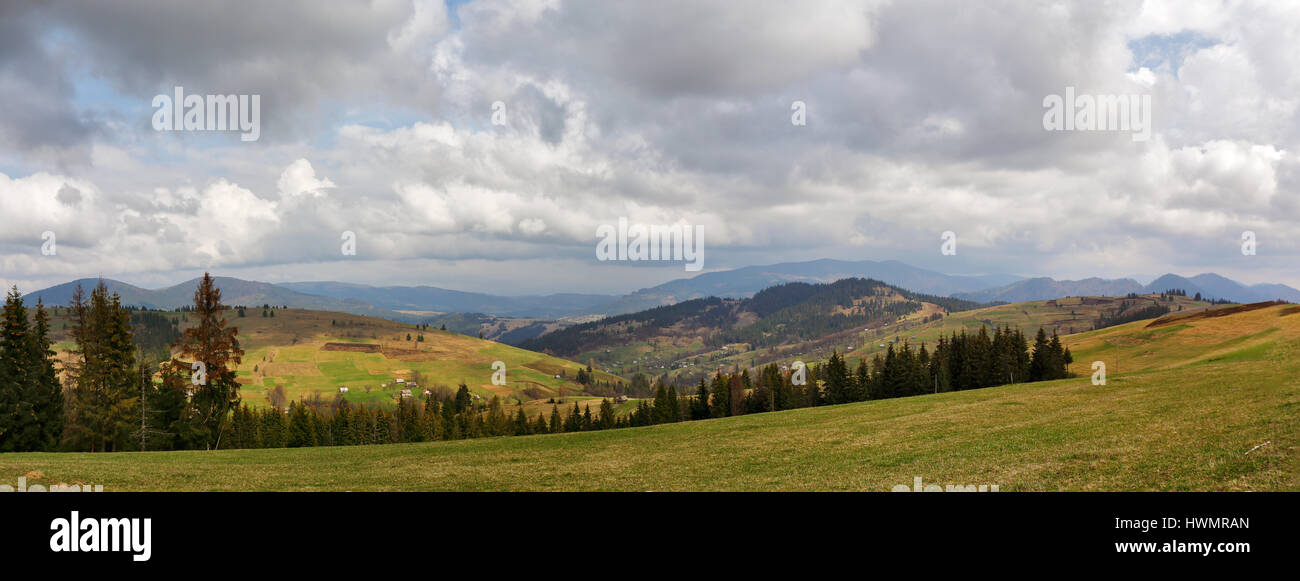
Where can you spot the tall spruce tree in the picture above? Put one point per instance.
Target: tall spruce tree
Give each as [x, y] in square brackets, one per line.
[103, 378]
[47, 398]
[838, 383]
[19, 429]
[1040, 362]
[211, 343]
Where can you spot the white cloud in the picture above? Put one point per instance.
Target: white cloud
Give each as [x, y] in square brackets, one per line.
[299, 179]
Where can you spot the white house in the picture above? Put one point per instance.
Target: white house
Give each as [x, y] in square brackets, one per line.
[343, 389]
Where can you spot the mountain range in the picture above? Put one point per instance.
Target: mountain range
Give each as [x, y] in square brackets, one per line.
[1210, 286]
[744, 282]
[419, 303]
[234, 291]
[441, 300]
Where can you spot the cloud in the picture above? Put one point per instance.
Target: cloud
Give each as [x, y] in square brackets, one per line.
[299, 179]
[922, 117]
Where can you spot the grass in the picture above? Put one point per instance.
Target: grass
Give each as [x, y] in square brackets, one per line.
[1177, 419]
[293, 341]
[287, 350]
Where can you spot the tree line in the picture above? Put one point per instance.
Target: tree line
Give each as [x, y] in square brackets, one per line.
[112, 396]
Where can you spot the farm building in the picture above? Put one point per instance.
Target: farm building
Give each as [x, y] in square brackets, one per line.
[343, 389]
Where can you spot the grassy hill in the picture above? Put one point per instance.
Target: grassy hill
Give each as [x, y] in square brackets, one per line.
[1200, 403]
[1066, 316]
[700, 336]
[307, 352]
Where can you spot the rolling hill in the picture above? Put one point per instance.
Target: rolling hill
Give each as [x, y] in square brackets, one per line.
[745, 282]
[689, 338]
[1205, 404]
[1065, 316]
[306, 353]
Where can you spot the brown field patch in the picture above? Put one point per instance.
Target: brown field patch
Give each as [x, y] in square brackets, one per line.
[351, 347]
[1209, 314]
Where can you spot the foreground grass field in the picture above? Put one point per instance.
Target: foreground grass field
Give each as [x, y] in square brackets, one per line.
[1221, 416]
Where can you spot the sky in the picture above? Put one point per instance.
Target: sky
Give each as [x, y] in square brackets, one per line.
[377, 119]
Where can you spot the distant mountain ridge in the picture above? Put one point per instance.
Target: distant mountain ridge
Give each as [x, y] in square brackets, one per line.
[745, 282]
[417, 304]
[234, 291]
[1209, 285]
[432, 298]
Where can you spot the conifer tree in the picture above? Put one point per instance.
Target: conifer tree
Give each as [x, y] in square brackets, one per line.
[104, 389]
[699, 406]
[720, 406]
[215, 346]
[1040, 361]
[556, 427]
[838, 389]
[46, 395]
[522, 427]
[607, 419]
[19, 430]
